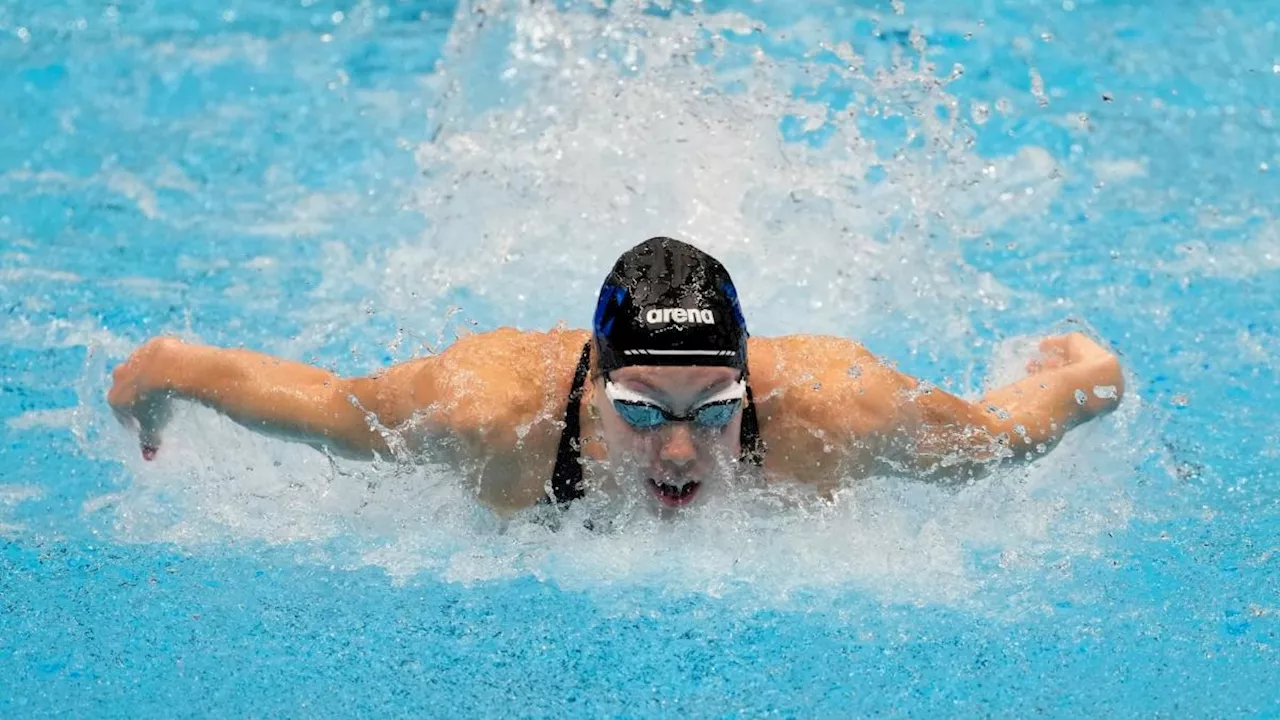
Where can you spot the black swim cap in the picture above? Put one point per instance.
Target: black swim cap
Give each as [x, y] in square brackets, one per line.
[668, 303]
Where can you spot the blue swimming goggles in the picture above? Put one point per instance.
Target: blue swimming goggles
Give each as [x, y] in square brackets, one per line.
[642, 413]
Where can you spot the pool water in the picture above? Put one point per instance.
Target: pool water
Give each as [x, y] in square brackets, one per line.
[355, 184]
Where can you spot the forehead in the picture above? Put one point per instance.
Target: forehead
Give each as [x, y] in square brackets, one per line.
[675, 378]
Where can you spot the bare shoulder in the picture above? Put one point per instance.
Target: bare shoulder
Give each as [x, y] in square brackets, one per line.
[824, 402]
[498, 378]
[816, 371]
[498, 399]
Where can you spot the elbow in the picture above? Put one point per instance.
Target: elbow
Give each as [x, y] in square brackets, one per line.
[965, 446]
[352, 425]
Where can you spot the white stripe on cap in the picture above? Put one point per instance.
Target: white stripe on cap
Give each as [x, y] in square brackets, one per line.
[714, 353]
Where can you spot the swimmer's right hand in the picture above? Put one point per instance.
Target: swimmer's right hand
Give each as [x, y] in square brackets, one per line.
[141, 391]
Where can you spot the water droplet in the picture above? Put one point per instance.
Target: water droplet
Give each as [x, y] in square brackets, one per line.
[1081, 397]
[1037, 88]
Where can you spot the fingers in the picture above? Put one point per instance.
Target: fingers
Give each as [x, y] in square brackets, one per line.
[1055, 345]
[149, 438]
[1053, 354]
[148, 434]
[144, 416]
[125, 419]
[1071, 349]
[136, 406]
[150, 424]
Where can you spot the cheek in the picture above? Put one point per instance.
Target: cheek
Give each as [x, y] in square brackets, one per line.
[726, 442]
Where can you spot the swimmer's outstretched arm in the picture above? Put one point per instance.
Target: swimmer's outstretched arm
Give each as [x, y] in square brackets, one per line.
[351, 417]
[826, 400]
[1075, 381]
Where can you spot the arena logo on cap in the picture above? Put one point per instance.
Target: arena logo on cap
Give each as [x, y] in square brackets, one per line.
[656, 316]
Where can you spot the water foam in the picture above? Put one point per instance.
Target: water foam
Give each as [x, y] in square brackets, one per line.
[676, 131]
[10, 497]
[609, 126]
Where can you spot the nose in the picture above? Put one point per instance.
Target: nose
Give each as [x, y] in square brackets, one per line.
[677, 445]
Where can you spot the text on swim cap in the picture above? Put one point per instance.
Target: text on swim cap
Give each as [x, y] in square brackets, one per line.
[657, 316]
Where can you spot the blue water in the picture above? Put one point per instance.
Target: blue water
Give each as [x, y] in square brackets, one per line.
[318, 179]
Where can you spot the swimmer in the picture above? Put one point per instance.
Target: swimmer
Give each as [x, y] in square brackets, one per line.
[664, 397]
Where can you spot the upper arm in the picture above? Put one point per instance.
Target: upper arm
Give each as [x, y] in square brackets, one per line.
[479, 390]
[835, 397]
[936, 435]
[825, 405]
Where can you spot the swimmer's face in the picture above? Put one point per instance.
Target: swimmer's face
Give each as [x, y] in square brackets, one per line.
[671, 460]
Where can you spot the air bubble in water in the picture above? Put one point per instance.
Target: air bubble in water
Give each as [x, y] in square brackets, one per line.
[1037, 88]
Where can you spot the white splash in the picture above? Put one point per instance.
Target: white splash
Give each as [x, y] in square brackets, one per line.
[1257, 255]
[11, 495]
[33, 419]
[83, 332]
[568, 159]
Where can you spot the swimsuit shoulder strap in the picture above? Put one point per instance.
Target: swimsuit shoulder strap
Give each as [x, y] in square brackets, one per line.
[752, 444]
[566, 479]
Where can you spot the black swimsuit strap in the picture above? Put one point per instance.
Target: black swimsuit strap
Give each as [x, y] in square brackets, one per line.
[566, 479]
[752, 444]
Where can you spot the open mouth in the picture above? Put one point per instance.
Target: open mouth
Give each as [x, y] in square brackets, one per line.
[673, 496]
